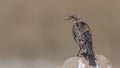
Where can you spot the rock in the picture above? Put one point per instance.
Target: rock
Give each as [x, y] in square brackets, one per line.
[79, 62]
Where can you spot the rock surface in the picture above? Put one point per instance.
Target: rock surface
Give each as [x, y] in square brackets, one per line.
[79, 62]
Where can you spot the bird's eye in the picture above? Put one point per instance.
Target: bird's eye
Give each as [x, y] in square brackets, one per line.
[72, 17]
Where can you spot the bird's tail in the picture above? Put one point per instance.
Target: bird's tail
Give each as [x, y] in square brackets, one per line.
[91, 59]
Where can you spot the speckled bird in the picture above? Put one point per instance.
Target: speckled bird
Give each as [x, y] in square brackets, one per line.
[83, 37]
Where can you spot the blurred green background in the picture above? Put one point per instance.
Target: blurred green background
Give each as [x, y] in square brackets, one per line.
[34, 34]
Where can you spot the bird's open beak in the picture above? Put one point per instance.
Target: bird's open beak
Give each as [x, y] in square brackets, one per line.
[67, 18]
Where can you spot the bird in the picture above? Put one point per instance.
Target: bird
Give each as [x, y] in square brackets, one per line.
[83, 37]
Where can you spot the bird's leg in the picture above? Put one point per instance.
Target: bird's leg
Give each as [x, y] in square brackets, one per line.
[84, 55]
[78, 52]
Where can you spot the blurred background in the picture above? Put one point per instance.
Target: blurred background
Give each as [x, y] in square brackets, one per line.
[34, 34]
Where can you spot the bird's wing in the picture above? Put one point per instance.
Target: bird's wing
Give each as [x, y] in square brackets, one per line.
[88, 35]
[88, 38]
[87, 42]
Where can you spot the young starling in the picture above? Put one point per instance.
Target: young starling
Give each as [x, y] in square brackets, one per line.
[83, 37]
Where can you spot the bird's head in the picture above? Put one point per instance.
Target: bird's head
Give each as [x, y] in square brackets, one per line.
[73, 17]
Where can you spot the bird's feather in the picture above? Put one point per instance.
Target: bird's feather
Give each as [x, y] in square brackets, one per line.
[83, 37]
